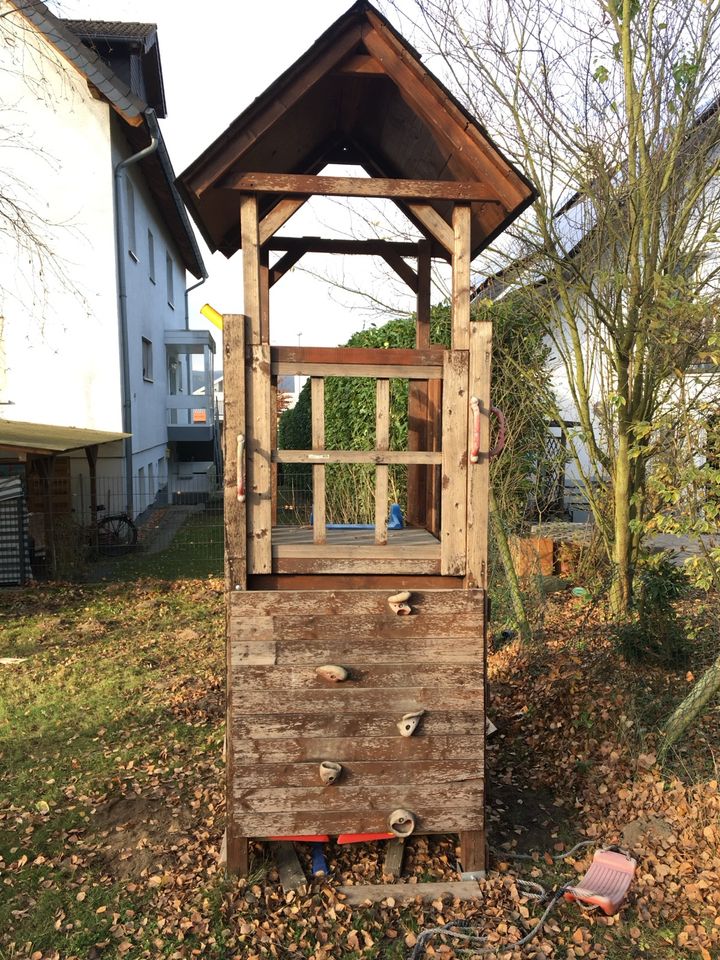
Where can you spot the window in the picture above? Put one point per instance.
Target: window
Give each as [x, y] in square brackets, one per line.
[130, 201]
[147, 360]
[170, 280]
[151, 256]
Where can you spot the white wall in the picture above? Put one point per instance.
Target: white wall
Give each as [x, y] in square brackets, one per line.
[59, 360]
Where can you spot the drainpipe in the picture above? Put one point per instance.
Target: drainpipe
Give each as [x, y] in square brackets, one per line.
[188, 290]
[120, 168]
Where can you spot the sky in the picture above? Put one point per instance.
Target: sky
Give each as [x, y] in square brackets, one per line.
[217, 56]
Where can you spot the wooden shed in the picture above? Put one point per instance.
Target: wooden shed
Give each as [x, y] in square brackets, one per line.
[300, 598]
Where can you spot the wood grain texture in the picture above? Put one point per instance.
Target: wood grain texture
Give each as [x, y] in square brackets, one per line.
[291, 873]
[339, 798]
[317, 400]
[259, 446]
[354, 699]
[400, 372]
[361, 893]
[259, 603]
[434, 819]
[376, 581]
[251, 267]
[391, 188]
[479, 473]
[363, 356]
[433, 223]
[453, 531]
[354, 652]
[277, 216]
[354, 567]
[356, 456]
[368, 248]
[460, 301]
[382, 443]
[358, 551]
[360, 628]
[301, 678]
[360, 774]
[344, 730]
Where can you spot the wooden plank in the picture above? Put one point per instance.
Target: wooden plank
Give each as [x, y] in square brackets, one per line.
[251, 267]
[258, 603]
[360, 774]
[363, 699]
[453, 532]
[479, 473]
[349, 535]
[460, 303]
[317, 399]
[278, 216]
[356, 456]
[418, 412]
[362, 893]
[300, 566]
[394, 856]
[236, 845]
[402, 269]
[391, 188]
[386, 676]
[368, 248]
[350, 653]
[288, 627]
[433, 223]
[473, 855]
[434, 442]
[382, 443]
[338, 797]
[291, 873]
[361, 63]
[355, 370]
[352, 733]
[332, 551]
[395, 581]
[372, 356]
[279, 269]
[434, 819]
[259, 446]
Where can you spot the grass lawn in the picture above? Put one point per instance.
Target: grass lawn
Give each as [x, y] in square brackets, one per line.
[112, 808]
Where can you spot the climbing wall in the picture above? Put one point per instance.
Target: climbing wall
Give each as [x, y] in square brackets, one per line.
[286, 719]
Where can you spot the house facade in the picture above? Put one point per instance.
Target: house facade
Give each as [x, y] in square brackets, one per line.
[96, 357]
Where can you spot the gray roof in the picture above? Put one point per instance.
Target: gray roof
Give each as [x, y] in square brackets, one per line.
[111, 30]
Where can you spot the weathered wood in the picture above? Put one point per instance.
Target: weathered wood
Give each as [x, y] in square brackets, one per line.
[434, 442]
[279, 269]
[382, 443]
[299, 677]
[291, 627]
[350, 536]
[332, 551]
[337, 798]
[251, 267]
[394, 856]
[361, 63]
[278, 216]
[350, 652]
[361, 774]
[292, 876]
[460, 304]
[373, 371]
[317, 400]
[236, 846]
[479, 473]
[395, 581]
[434, 819]
[356, 456]
[402, 269]
[473, 856]
[433, 224]
[417, 476]
[352, 733]
[368, 248]
[299, 566]
[366, 356]
[259, 447]
[352, 699]
[361, 893]
[454, 463]
[353, 601]
[389, 188]
[264, 280]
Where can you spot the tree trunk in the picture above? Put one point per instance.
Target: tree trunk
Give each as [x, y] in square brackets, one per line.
[692, 706]
[621, 591]
[521, 619]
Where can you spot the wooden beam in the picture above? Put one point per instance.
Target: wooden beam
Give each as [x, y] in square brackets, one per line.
[399, 372]
[382, 443]
[418, 476]
[361, 63]
[378, 457]
[402, 269]
[259, 451]
[278, 271]
[433, 223]
[460, 310]
[454, 462]
[358, 894]
[394, 856]
[369, 248]
[317, 398]
[368, 356]
[291, 873]
[358, 551]
[479, 473]
[251, 266]
[278, 216]
[236, 846]
[379, 187]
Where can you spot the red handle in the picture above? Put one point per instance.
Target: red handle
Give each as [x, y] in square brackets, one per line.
[500, 443]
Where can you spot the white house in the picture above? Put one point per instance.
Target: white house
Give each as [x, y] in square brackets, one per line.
[95, 245]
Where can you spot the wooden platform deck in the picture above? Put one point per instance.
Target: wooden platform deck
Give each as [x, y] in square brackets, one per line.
[409, 551]
[409, 537]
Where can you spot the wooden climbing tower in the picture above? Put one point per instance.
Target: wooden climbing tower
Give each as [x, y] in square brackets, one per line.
[301, 598]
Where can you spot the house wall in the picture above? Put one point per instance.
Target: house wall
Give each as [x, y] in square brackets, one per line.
[59, 353]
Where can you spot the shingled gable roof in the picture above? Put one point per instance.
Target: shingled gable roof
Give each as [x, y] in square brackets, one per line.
[385, 112]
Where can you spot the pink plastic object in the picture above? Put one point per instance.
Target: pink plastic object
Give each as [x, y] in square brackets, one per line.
[364, 837]
[606, 883]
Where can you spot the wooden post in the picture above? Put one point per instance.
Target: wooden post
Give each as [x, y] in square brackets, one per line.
[235, 565]
[317, 398]
[454, 463]
[382, 442]
[479, 473]
[418, 476]
[461, 276]
[252, 291]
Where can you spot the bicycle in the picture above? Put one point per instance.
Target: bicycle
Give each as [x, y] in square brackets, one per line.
[113, 534]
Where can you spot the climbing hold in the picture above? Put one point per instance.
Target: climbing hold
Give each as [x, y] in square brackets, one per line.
[409, 723]
[398, 603]
[330, 771]
[330, 671]
[401, 822]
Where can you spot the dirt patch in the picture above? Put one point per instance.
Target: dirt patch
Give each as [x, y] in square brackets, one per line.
[137, 835]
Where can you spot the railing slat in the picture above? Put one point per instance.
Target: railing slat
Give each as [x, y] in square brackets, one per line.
[317, 396]
[382, 442]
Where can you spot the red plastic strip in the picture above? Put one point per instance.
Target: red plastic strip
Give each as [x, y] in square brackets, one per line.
[362, 837]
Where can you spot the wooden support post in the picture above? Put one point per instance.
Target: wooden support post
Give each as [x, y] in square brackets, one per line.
[394, 856]
[317, 397]
[278, 216]
[251, 267]
[382, 442]
[259, 460]
[435, 388]
[418, 434]
[479, 473]
[236, 845]
[291, 873]
[461, 276]
[454, 463]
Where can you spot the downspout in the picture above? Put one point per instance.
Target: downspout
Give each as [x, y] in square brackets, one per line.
[189, 290]
[120, 168]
